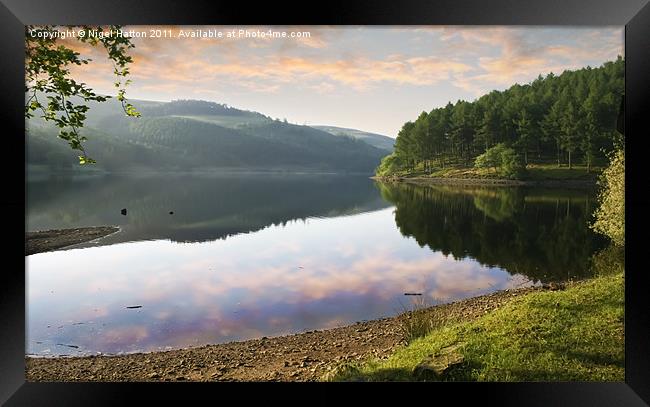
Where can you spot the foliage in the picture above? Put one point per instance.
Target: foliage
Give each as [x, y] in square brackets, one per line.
[610, 215]
[511, 165]
[182, 107]
[551, 119]
[376, 140]
[574, 334]
[501, 158]
[390, 164]
[47, 74]
[609, 260]
[491, 158]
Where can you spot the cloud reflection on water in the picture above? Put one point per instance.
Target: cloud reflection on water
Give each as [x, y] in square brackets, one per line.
[282, 279]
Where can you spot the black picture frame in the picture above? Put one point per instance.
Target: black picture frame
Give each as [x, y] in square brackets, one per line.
[634, 14]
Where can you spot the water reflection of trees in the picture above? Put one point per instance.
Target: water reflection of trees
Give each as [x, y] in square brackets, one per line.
[539, 233]
[205, 207]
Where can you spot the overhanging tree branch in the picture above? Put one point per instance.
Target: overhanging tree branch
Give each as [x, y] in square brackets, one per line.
[47, 71]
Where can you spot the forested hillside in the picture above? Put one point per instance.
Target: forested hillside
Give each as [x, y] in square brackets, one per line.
[377, 140]
[564, 120]
[189, 134]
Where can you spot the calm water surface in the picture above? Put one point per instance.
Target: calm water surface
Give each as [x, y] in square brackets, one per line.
[248, 256]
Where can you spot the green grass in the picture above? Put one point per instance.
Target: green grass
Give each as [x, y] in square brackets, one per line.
[569, 335]
[553, 172]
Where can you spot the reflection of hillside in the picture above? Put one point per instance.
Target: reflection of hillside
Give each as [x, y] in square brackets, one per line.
[205, 208]
[542, 234]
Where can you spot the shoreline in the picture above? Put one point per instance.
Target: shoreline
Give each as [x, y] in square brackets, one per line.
[489, 181]
[307, 356]
[56, 239]
[298, 357]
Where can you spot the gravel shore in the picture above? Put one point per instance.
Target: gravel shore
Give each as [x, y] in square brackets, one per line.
[302, 357]
[49, 240]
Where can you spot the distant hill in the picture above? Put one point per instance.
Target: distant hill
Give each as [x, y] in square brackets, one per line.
[191, 134]
[376, 140]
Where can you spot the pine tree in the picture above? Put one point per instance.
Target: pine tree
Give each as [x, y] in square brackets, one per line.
[524, 133]
[551, 128]
[570, 126]
[573, 114]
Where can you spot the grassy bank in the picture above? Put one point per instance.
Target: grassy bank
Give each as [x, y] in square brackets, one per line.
[534, 172]
[575, 334]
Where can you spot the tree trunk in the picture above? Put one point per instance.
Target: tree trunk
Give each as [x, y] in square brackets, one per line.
[526, 156]
[569, 159]
[558, 154]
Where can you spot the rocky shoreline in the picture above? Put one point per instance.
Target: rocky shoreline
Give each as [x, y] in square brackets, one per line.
[308, 356]
[49, 240]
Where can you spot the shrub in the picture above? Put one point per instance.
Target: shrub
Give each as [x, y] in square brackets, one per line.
[490, 159]
[504, 160]
[610, 215]
[608, 261]
[511, 165]
[390, 164]
[420, 320]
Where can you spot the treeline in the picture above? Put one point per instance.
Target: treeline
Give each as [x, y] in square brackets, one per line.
[559, 119]
[193, 107]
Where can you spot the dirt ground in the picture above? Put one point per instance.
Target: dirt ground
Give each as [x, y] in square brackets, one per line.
[49, 240]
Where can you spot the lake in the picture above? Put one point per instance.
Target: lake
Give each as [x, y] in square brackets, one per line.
[246, 256]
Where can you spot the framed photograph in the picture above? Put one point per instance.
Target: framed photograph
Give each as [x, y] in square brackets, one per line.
[431, 193]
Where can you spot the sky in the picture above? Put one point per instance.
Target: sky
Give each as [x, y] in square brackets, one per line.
[368, 78]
